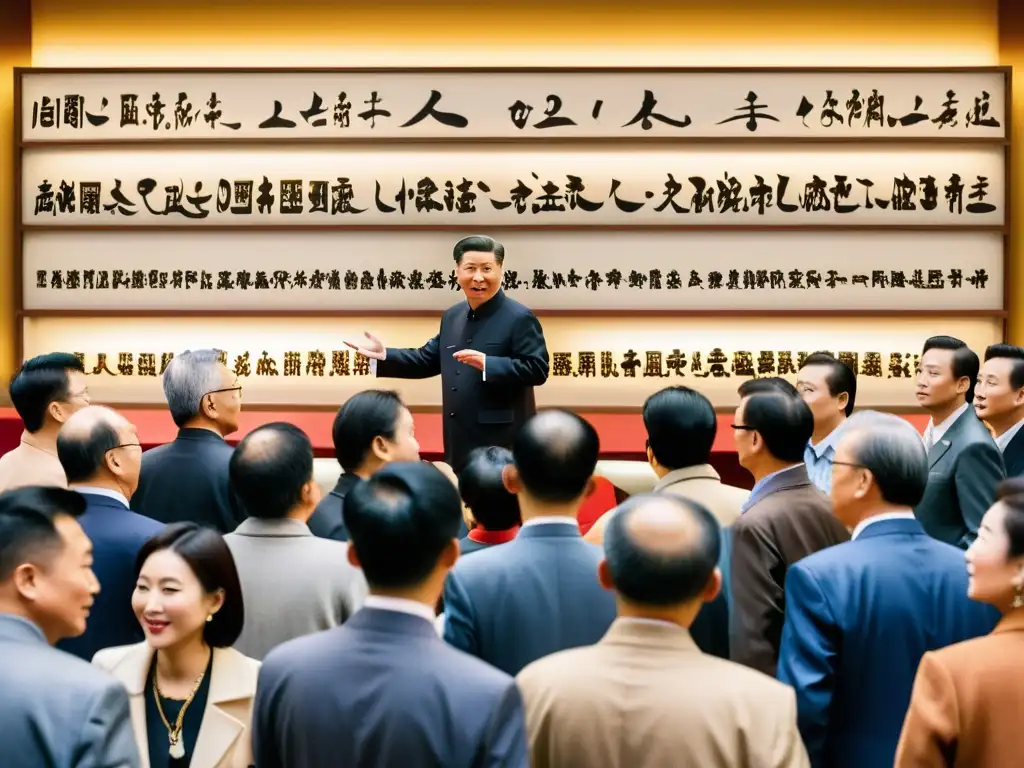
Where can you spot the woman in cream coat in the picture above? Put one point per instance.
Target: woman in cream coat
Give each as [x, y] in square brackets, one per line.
[191, 694]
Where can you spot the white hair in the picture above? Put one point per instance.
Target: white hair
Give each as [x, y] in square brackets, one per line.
[187, 378]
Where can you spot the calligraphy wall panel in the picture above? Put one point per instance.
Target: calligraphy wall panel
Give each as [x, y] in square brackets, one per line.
[531, 105]
[785, 186]
[604, 362]
[557, 270]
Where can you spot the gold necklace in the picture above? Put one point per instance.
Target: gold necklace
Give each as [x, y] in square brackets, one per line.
[177, 748]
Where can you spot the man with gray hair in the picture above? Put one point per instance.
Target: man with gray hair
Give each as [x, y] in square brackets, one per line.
[187, 479]
[860, 615]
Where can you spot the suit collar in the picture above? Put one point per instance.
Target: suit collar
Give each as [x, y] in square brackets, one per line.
[390, 622]
[889, 527]
[488, 308]
[1011, 622]
[698, 472]
[557, 530]
[20, 630]
[284, 528]
[784, 479]
[198, 433]
[1010, 437]
[649, 634]
[345, 484]
[945, 441]
[102, 497]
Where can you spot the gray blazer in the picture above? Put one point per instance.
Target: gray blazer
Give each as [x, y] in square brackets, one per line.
[964, 468]
[57, 710]
[293, 583]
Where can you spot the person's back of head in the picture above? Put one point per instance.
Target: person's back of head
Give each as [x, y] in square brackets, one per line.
[201, 391]
[783, 423]
[373, 428]
[47, 389]
[483, 491]
[661, 557]
[681, 427]
[45, 560]
[403, 524]
[98, 446]
[271, 473]
[554, 455]
[768, 384]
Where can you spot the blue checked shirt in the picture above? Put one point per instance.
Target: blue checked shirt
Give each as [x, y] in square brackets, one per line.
[818, 460]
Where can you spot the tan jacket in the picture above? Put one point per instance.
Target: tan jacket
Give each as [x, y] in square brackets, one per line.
[646, 697]
[701, 484]
[31, 463]
[225, 737]
[967, 707]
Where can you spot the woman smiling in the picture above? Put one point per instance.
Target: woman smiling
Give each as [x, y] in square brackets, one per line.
[191, 694]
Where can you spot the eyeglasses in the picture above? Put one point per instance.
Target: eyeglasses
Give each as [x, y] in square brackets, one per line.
[123, 445]
[237, 389]
[744, 427]
[848, 464]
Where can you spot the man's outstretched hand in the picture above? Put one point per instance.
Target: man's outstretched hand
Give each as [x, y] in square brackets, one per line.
[372, 348]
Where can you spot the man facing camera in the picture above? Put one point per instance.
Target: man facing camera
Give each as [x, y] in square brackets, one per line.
[490, 354]
[964, 464]
[999, 401]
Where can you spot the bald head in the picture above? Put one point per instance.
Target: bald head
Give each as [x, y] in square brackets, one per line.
[661, 550]
[87, 438]
[271, 471]
[555, 454]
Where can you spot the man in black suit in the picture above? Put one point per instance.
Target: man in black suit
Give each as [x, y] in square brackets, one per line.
[187, 479]
[383, 689]
[999, 401]
[372, 429]
[490, 353]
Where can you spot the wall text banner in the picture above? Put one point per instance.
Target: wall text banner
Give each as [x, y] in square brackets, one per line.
[888, 186]
[734, 104]
[556, 270]
[604, 363]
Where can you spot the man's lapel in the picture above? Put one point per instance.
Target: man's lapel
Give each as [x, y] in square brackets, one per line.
[942, 446]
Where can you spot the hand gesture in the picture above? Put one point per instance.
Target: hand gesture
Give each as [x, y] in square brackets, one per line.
[372, 348]
[471, 358]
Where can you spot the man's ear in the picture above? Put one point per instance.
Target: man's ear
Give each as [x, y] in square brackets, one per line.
[510, 478]
[714, 586]
[26, 580]
[590, 488]
[450, 554]
[604, 576]
[353, 558]
[843, 400]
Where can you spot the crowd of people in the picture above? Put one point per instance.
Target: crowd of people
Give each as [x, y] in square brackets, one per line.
[205, 605]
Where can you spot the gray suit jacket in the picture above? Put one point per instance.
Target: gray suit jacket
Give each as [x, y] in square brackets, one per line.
[964, 468]
[293, 583]
[57, 710]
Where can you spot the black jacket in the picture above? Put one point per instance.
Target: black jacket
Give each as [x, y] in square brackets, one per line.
[187, 480]
[1013, 456]
[327, 520]
[478, 412]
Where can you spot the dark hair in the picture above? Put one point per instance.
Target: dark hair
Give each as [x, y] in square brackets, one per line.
[785, 423]
[208, 555]
[27, 527]
[681, 427]
[1015, 355]
[483, 489]
[841, 378]
[479, 244]
[364, 416]
[965, 361]
[1011, 493]
[39, 382]
[83, 454]
[661, 578]
[400, 520]
[767, 384]
[268, 477]
[555, 453]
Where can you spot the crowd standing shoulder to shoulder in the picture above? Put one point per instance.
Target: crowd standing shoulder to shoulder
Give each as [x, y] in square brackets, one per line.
[494, 509]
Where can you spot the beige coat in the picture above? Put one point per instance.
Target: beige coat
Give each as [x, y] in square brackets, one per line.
[225, 737]
[646, 697]
[31, 463]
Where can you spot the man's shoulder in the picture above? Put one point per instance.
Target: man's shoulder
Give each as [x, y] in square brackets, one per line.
[76, 676]
[973, 432]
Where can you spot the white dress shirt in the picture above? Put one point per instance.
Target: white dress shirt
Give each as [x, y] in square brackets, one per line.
[400, 605]
[1004, 439]
[115, 495]
[934, 432]
[879, 518]
[560, 519]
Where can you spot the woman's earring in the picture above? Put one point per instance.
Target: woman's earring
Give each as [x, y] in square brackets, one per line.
[210, 617]
[1018, 592]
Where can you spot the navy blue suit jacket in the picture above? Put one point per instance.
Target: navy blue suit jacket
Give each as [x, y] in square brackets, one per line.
[476, 412]
[117, 535]
[383, 690]
[535, 595]
[1013, 456]
[859, 617]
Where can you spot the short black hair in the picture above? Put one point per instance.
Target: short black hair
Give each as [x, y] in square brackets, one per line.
[400, 520]
[363, 417]
[841, 378]
[1013, 353]
[965, 361]
[208, 555]
[555, 453]
[785, 423]
[1011, 493]
[767, 384]
[483, 489]
[479, 244]
[659, 578]
[27, 529]
[82, 455]
[268, 477]
[681, 427]
[39, 382]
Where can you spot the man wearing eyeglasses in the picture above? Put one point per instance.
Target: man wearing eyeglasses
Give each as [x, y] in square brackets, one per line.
[187, 480]
[100, 452]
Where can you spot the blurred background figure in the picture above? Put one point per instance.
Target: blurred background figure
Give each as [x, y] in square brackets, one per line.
[494, 510]
[999, 402]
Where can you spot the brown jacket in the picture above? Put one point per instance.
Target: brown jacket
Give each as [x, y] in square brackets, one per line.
[967, 707]
[786, 519]
[645, 696]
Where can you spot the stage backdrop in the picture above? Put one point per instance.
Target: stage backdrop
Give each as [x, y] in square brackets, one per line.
[683, 226]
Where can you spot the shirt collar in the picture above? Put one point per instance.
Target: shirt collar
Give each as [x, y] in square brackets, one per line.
[110, 494]
[552, 520]
[400, 605]
[1004, 439]
[33, 441]
[283, 527]
[879, 518]
[829, 442]
[938, 430]
[701, 471]
[481, 536]
[649, 622]
[488, 308]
